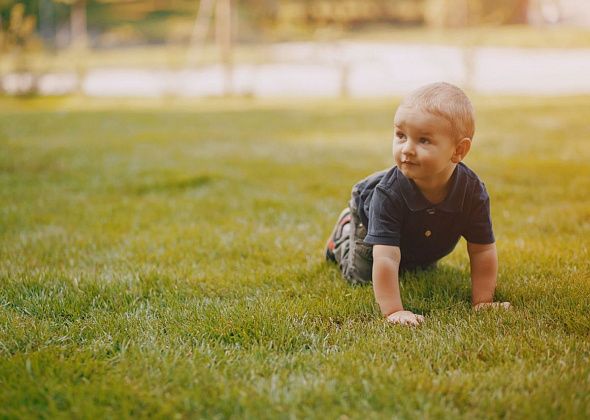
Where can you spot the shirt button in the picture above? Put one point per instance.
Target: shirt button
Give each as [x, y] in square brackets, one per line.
[427, 233]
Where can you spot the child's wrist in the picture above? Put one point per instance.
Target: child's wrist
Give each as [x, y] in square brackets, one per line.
[390, 312]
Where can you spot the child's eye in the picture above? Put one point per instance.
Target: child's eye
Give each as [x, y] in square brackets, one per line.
[424, 140]
[400, 135]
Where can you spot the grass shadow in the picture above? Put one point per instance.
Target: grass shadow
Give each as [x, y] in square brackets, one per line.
[426, 290]
[174, 186]
[440, 288]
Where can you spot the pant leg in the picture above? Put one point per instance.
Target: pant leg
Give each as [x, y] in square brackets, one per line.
[354, 257]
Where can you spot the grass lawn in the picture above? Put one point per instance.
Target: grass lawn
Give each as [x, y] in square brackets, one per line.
[165, 259]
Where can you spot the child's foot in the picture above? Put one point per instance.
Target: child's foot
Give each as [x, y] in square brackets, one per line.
[341, 228]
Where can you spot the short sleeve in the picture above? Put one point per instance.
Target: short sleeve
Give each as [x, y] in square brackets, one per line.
[478, 229]
[385, 220]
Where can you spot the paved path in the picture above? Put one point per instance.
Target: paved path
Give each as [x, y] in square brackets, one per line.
[357, 69]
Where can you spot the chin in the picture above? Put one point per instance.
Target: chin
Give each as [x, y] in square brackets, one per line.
[407, 174]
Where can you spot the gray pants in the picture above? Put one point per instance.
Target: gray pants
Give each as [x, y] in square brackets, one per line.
[353, 256]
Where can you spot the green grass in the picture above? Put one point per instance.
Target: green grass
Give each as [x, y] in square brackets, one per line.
[164, 260]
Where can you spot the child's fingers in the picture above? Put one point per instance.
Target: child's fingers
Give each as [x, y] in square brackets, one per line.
[483, 305]
[502, 305]
[412, 320]
[400, 321]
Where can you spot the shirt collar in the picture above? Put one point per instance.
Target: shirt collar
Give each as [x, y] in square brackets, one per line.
[453, 202]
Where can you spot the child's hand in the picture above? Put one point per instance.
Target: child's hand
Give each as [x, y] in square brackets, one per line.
[405, 318]
[495, 305]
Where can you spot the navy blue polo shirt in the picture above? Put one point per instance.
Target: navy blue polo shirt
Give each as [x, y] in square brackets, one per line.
[396, 213]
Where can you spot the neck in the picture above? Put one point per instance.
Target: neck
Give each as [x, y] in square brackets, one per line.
[436, 189]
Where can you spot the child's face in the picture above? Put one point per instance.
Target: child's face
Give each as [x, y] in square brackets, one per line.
[424, 147]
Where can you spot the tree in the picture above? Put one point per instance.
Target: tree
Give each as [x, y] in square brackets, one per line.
[223, 35]
[461, 13]
[79, 30]
[18, 37]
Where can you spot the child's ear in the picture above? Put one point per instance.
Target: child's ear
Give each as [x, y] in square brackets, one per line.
[461, 150]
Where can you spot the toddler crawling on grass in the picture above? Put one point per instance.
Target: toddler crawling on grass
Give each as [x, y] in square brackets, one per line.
[413, 214]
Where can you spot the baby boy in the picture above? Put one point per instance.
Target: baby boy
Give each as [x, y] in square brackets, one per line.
[412, 215]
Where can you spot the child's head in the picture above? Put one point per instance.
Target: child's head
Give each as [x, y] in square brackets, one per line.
[447, 101]
[434, 126]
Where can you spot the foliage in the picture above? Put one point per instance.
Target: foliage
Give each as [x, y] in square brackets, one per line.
[20, 31]
[165, 259]
[461, 13]
[146, 21]
[19, 39]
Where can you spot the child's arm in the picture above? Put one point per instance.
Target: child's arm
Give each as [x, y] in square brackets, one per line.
[484, 271]
[386, 260]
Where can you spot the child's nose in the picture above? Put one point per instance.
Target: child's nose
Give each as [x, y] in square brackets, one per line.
[408, 147]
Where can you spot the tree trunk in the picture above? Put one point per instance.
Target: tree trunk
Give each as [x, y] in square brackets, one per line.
[201, 26]
[78, 24]
[521, 9]
[223, 32]
[47, 22]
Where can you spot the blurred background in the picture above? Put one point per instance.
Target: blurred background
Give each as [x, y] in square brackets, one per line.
[282, 48]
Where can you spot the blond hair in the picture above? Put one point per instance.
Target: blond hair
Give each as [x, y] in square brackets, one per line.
[447, 101]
